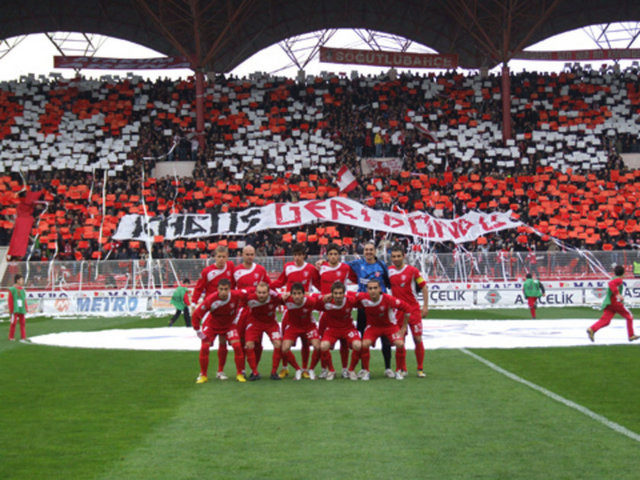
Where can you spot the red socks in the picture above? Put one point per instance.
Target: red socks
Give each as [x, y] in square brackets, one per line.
[401, 358]
[250, 354]
[326, 358]
[291, 358]
[355, 358]
[315, 357]
[238, 357]
[304, 354]
[222, 353]
[365, 356]
[204, 358]
[277, 355]
[420, 355]
[344, 353]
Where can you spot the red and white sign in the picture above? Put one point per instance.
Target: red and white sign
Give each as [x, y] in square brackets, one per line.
[104, 63]
[381, 58]
[383, 166]
[336, 210]
[576, 55]
[346, 180]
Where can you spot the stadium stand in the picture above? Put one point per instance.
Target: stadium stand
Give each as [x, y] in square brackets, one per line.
[431, 143]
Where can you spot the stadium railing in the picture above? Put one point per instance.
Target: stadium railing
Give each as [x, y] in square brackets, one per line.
[163, 273]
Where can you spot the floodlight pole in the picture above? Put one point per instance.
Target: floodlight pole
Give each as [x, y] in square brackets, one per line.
[506, 103]
[200, 107]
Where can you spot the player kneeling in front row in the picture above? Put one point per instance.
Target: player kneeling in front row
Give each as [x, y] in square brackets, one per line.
[381, 321]
[338, 307]
[218, 313]
[263, 304]
[300, 325]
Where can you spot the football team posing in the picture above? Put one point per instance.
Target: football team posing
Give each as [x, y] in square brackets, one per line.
[240, 304]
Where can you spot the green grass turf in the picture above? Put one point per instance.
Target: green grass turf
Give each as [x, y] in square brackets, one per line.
[101, 414]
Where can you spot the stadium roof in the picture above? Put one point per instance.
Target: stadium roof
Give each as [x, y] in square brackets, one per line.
[218, 35]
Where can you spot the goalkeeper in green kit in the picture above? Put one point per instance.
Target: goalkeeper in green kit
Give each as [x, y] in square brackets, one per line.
[180, 300]
[533, 290]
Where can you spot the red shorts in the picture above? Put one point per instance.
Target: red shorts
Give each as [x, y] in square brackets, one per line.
[416, 329]
[254, 331]
[532, 301]
[415, 320]
[290, 332]
[230, 333]
[373, 332]
[332, 335]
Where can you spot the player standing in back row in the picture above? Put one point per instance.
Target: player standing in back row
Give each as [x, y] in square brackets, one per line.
[405, 280]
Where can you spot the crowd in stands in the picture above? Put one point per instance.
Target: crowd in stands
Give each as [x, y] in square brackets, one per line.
[414, 142]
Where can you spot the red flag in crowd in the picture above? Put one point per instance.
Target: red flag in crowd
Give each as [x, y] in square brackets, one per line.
[346, 180]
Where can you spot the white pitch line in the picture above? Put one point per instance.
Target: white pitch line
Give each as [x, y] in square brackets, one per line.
[554, 396]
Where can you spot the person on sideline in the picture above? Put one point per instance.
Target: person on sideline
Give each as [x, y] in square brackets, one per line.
[532, 290]
[612, 304]
[17, 308]
[180, 300]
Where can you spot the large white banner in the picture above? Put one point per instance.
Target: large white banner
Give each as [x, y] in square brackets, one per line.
[287, 215]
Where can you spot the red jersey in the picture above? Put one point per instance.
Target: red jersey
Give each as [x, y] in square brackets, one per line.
[381, 313]
[300, 316]
[339, 316]
[250, 277]
[340, 273]
[223, 312]
[306, 274]
[209, 279]
[405, 282]
[264, 312]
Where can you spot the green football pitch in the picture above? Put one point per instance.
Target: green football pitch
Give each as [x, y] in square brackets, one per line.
[74, 413]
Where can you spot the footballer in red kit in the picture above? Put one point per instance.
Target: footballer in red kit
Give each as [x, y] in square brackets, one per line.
[298, 271]
[263, 304]
[381, 321]
[208, 284]
[215, 317]
[300, 325]
[337, 308]
[331, 271]
[247, 275]
[211, 275]
[405, 281]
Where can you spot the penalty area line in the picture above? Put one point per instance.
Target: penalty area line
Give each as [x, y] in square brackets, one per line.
[554, 396]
